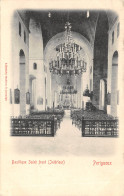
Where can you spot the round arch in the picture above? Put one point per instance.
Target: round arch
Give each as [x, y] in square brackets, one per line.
[59, 39]
[50, 52]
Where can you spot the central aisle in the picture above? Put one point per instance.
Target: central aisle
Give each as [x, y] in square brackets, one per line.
[67, 130]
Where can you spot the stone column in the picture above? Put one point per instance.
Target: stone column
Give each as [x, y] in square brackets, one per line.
[40, 87]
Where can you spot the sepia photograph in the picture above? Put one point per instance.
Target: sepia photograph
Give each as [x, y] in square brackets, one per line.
[62, 98]
[65, 73]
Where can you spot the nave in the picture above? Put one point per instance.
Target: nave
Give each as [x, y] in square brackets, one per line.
[65, 60]
[67, 142]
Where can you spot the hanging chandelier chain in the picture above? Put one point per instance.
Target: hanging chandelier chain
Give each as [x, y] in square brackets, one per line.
[68, 57]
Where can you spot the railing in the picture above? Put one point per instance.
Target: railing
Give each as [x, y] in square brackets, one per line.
[33, 127]
[100, 128]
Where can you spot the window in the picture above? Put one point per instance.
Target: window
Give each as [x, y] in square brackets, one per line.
[88, 14]
[24, 37]
[118, 29]
[112, 37]
[35, 66]
[19, 28]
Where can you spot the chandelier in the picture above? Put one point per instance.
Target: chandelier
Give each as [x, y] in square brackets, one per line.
[68, 59]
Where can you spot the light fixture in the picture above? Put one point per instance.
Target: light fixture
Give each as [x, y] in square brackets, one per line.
[68, 59]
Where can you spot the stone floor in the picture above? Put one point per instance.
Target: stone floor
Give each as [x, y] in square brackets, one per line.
[67, 142]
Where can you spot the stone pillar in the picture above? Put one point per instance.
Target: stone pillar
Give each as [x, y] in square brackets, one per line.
[114, 88]
[34, 93]
[102, 95]
[48, 90]
[36, 58]
[40, 87]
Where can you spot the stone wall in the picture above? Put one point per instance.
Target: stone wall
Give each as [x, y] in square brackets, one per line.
[19, 44]
[112, 48]
[36, 65]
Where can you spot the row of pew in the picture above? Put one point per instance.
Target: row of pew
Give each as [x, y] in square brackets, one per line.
[95, 123]
[44, 123]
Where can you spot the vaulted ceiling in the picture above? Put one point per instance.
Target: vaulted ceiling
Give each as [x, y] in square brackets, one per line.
[80, 23]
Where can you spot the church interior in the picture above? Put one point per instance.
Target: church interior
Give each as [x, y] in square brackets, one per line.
[65, 70]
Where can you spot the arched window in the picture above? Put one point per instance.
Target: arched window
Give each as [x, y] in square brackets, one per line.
[35, 66]
[112, 37]
[118, 29]
[19, 28]
[24, 37]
